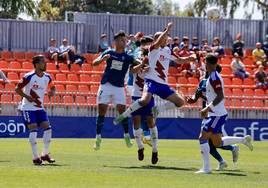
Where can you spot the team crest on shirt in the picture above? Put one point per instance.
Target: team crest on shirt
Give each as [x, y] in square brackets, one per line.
[45, 82]
[35, 87]
[162, 58]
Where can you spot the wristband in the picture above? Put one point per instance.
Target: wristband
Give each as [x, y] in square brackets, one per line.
[210, 105]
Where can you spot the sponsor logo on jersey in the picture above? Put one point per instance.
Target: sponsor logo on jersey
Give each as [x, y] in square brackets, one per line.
[162, 57]
[35, 87]
[218, 86]
[114, 57]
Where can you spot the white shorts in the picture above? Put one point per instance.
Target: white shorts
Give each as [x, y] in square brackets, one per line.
[129, 90]
[108, 91]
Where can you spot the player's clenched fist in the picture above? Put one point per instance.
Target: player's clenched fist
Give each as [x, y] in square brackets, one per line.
[106, 57]
[170, 24]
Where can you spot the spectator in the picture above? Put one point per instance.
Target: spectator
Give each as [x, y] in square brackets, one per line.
[265, 47]
[54, 54]
[194, 44]
[176, 50]
[193, 68]
[261, 78]
[169, 42]
[137, 38]
[185, 69]
[104, 43]
[185, 42]
[2, 75]
[238, 67]
[217, 48]
[77, 59]
[259, 57]
[175, 43]
[131, 45]
[238, 46]
[204, 48]
[184, 52]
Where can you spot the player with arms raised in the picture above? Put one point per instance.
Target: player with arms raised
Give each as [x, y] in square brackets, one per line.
[156, 82]
[217, 115]
[33, 113]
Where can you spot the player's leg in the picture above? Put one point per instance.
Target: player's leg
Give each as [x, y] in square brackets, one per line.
[153, 130]
[137, 133]
[149, 87]
[66, 56]
[103, 100]
[234, 149]
[55, 57]
[213, 151]
[30, 121]
[145, 127]
[229, 140]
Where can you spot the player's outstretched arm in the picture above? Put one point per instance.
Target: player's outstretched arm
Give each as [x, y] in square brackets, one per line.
[183, 60]
[21, 93]
[139, 64]
[98, 61]
[195, 97]
[163, 36]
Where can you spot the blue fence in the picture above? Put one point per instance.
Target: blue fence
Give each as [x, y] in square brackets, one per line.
[169, 128]
[252, 30]
[35, 36]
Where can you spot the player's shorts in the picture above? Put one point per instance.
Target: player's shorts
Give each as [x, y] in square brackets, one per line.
[146, 110]
[31, 117]
[129, 89]
[108, 91]
[214, 124]
[162, 90]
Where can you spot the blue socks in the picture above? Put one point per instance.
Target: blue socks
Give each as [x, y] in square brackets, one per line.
[125, 125]
[229, 147]
[214, 152]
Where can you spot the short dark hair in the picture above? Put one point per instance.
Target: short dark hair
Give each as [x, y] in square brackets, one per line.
[218, 69]
[211, 58]
[119, 34]
[37, 59]
[146, 39]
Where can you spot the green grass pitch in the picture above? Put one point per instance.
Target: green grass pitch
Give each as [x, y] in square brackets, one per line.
[115, 165]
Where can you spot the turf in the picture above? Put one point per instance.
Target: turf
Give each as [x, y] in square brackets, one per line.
[115, 165]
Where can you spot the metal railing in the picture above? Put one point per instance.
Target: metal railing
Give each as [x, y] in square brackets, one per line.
[83, 103]
[252, 30]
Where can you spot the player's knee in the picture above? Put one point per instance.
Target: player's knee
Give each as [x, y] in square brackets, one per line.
[145, 101]
[180, 102]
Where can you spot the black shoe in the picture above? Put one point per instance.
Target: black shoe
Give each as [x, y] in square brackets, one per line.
[38, 161]
[47, 158]
[141, 154]
[69, 66]
[154, 158]
[58, 67]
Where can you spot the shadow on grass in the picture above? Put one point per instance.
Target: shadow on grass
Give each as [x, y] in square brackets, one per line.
[154, 167]
[232, 174]
[5, 161]
[51, 164]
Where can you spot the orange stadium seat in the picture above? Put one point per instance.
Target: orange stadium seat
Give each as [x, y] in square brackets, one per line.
[227, 51]
[29, 56]
[238, 93]
[92, 100]
[249, 83]
[42, 53]
[193, 81]
[249, 63]
[237, 82]
[227, 72]
[68, 101]
[83, 90]
[52, 76]
[4, 66]
[61, 79]
[86, 68]
[1, 86]
[250, 71]
[17, 98]
[258, 104]
[27, 66]
[96, 78]
[59, 87]
[64, 68]
[227, 82]
[85, 79]
[96, 56]
[51, 68]
[248, 92]
[191, 90]
[81, 101]
[71, 90]
[247, 104]
[258, 92]
[171, 81]
[18, 56]
[6, 56]
[184, 90]
[21, 75]
[55, 100]
[89, 58]
[173, 71]
[98, 70]
[182, 81]
[226, 61]
[6, 99]
[10, 86]
[94, 89]
[228, 92]
[73, 78]
[76, 68]
[15, 66]
[46, 100]
[248, 53]
[13, 77]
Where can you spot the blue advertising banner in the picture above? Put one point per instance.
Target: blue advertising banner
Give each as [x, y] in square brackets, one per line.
[169, 128]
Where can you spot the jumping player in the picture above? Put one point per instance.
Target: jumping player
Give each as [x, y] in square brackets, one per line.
[201, 92]
[112, 84]
[33, 113]
[156, 82]
[217, 115]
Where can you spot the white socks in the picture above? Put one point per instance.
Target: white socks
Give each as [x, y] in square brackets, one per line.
[137, 134]
[204, 147]
[229, 140]
[56, 62]
[33, 143]
[134, 106]
[154, 137]
[68, 62]
[46, 139]
[166, 106]
[98, 136]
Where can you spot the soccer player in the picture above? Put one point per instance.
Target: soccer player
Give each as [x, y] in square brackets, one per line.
[201, 92]
[33, 113]
[112, 84]
[217, 115]
[156, 82]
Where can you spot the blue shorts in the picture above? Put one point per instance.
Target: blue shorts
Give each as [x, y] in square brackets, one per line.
[146, 110]
[214, 124]
[162, 90]
[30, 117]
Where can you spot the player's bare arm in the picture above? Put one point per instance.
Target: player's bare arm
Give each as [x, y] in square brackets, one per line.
[139, 64]
[52, 91]
[183, 60]
[21, 93]
[97, 61]
[215, 102]
[195, 97]
[163, 36]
